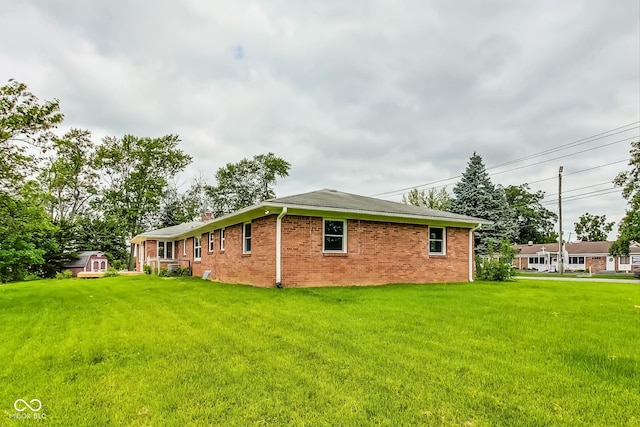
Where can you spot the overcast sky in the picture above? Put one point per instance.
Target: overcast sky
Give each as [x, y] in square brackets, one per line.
[367, 97]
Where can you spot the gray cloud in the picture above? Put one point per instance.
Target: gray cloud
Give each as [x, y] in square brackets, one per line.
[365, 97]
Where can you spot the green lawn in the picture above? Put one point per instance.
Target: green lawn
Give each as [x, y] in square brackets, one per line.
[173, 352]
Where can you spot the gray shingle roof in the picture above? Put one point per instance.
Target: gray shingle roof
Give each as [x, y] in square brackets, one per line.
[339, 201]
[321, 200]
[175, 230]
[83, 258]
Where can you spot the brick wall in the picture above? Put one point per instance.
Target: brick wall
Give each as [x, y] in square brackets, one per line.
[231, 265]
[377, 253]
[596, 263]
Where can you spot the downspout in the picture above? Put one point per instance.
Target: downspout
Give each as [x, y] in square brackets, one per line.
[471, 257]
[279, 247]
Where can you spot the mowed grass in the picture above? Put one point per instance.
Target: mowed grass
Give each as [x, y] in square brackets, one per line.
[148, 351]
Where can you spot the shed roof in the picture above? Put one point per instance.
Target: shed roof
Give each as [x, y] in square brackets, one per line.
[83, 258]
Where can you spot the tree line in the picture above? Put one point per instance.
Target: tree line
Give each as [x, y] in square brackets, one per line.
[62, 194]
[518, 215]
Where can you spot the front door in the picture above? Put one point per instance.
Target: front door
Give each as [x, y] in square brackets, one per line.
[611, 263]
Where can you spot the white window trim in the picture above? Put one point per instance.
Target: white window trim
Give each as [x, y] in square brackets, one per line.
[244, 238]
[184, 247]
[165, 249]
[344, 236]
[211, 241]
[222, 239]
[199, 245]
[444, 240]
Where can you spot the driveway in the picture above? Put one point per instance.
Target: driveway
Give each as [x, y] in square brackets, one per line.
[579, 279]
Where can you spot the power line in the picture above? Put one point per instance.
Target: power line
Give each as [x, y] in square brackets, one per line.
[580, 171]
[573, 144]
[580, 188]
[602, 192]
[582, 141]
[562, 157]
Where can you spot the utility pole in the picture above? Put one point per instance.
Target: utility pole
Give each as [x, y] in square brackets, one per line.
[560, 243]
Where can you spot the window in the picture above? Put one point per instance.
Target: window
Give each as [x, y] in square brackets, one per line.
[576, 260]
[165, 250]
[624, 259]
[436, 241]
[197, 247]
[222, 239]
[211, 242]
[334, 235]
[246, 237]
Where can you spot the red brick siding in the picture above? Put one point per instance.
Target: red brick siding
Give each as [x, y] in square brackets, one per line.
[521, 263]
[377, 253]
[596, 263]
[231, 265]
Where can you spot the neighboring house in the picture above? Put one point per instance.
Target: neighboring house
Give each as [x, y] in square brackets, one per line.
[578, 256]
[93, 261]
[322, 238]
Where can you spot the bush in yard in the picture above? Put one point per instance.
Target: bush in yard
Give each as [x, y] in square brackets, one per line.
[496, 268]
[181, 272]
[146, 269]
[111, 272]
[66, 274]
[163, 272]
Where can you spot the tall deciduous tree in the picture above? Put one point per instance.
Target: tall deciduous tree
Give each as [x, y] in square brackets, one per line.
[178, 208]
[246, 183]
[24, 132]
[136, 172]
[592, 228]
[476, 195]
[27, 236]
[629, 227]
[433, 199]
[69, 179]
[535, 222]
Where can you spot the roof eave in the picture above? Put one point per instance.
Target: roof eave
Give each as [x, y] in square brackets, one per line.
[271, 208]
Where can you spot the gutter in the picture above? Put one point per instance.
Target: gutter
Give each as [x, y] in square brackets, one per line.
[471, 256]
[279, 247]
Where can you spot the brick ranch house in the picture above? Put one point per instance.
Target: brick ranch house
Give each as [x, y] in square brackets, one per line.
[321, 238]
[578, 256]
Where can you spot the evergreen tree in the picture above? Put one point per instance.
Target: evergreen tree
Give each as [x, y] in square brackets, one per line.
[475, 195]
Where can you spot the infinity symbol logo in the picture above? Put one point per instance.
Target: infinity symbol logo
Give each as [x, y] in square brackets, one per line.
[34, 402]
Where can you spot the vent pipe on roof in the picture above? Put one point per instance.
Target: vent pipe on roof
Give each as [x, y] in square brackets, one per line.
[530, 243]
